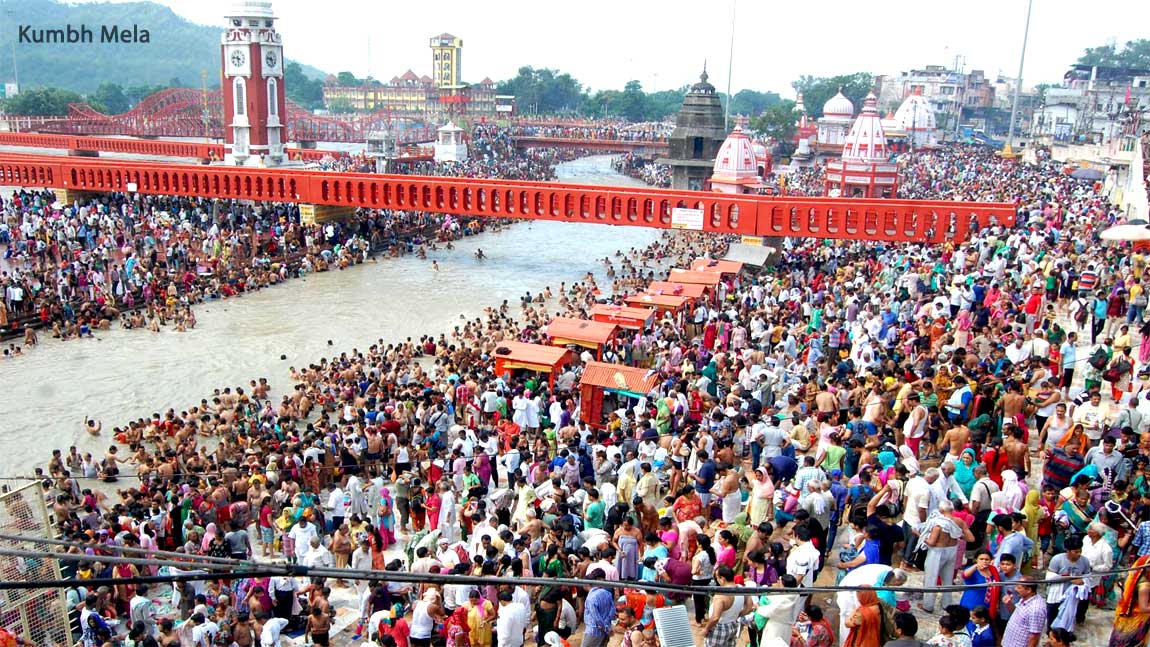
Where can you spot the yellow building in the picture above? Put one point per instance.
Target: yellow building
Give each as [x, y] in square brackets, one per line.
[446, 60]
[415, 96]
[443, 94]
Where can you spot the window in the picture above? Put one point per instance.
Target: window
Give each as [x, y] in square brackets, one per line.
[238, 96]
[697, 148]
[273, 98]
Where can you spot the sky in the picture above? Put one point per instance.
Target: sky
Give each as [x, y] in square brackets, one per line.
[664, 44]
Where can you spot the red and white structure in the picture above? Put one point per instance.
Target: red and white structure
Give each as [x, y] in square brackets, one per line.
[737, 165]
[865, 169]
[916, 118]
[253, 89]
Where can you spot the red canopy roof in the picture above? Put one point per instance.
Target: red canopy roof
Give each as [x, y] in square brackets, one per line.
[535, 357]
[580, 331]
[624, 316]
[716, 265]
[660, 301]
[679, 275]
[618, 377]
[691, 290]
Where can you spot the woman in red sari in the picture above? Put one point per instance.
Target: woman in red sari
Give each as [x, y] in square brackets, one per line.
[432, 504]
[865, 624]
[310, 475]
[688, 506]
[1132, 617]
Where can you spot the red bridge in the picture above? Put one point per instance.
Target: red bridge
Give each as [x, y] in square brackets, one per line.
[81, 145]
[606, 145]
[185, 112]
[753, 215]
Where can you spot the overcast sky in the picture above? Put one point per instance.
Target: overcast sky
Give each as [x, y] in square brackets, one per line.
[604, 43]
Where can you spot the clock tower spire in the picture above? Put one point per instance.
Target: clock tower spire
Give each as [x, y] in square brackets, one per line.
[253, 89]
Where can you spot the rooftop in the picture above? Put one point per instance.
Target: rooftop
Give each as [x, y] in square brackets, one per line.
[619, 377]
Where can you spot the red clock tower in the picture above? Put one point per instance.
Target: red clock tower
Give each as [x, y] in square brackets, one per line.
[253, 88]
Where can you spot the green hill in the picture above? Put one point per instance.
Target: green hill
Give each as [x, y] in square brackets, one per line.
[178, 49]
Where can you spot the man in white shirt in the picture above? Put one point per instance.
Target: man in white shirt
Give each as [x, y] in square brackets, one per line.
[318, 556]
[1092, 416]
[270, 634]
[302, 533]
[203, 631]
[945, 486]
[803, 560]
[512, 622]
[337, 504]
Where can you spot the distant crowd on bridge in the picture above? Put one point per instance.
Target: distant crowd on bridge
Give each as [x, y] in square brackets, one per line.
[645, 132]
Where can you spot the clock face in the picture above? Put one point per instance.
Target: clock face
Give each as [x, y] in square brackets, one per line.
[271, 59]
[237, 58]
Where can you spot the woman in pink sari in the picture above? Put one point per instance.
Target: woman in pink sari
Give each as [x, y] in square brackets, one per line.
[670, 536]
[963, 324]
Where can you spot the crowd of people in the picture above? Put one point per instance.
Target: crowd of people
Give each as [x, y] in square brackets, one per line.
[143, 261]
[646, 132]
[970, 418]
[643, 169]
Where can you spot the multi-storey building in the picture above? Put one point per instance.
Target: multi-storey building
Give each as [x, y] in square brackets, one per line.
[442, 95]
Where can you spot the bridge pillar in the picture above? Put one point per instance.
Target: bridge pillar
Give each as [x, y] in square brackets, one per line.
[74, 152]
[311, 214]
[307, 144]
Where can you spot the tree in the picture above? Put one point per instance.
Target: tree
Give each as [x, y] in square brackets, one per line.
[340, 105]
[109, 99]
[41, 102]
[543, 90]
[818, 90]
[137, 93]
[175, 82]
[777, 121]
[750, 102]
[347, 79]
[664, 103]
[301, 89]
[632, 103]
[1134, 54]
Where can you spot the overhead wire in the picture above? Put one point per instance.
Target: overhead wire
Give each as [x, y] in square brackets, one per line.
[239, 569]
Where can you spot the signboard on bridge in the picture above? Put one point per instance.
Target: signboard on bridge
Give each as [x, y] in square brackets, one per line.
[687, 219]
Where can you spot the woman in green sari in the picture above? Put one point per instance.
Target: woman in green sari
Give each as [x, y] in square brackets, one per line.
[662, 417]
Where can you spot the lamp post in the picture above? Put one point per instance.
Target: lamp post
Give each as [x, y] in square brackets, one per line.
[730, 67]
[1007, 150]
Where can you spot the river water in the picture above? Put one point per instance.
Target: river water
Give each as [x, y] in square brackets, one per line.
[127, 374]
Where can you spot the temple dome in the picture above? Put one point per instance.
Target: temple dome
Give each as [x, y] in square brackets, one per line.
[916, 113]
[866, 139]
[736, 161]
[839, 106]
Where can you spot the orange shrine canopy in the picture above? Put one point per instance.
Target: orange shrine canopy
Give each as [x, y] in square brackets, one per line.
[715, 265]
[624, 316]
[689, 290]
[580, 332]
[662, 302]
[512, 355]
[678, 275]
[637, 381]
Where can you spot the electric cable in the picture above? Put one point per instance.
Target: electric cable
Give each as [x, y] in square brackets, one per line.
[295, 570]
